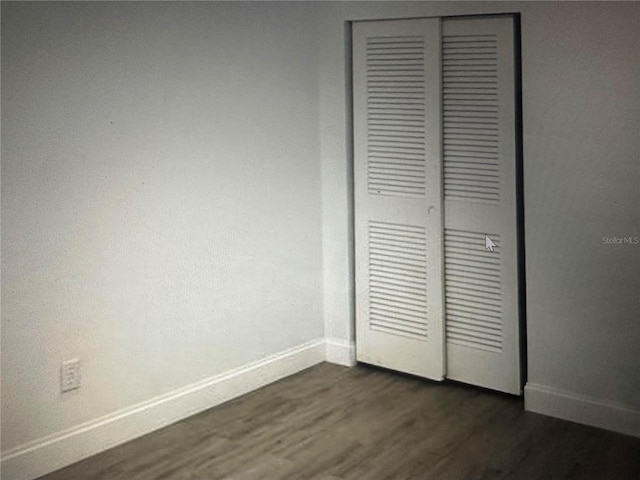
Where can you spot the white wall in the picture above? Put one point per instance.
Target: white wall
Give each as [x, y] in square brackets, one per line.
[582, 182]
[175, 198]
[581, 101]
[161, 205]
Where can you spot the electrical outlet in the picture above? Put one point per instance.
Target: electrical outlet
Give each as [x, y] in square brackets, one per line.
[70, 375]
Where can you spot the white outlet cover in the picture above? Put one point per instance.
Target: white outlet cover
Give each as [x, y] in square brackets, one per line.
[70, 375]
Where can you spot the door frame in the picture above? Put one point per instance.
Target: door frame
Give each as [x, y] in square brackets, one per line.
[519, 172]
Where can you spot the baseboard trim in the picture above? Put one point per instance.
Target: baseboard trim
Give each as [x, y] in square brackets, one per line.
[340, 352]
[581, 409]
[56, 451]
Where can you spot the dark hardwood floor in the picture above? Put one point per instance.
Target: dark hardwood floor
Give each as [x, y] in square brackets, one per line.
[331, 422]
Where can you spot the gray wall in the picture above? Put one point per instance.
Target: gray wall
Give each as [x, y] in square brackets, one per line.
[161, 214]
[581, 85]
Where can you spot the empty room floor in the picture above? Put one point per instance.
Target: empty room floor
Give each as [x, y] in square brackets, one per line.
[331, 422]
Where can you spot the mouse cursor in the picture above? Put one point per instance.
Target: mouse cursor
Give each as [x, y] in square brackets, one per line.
[488, 243]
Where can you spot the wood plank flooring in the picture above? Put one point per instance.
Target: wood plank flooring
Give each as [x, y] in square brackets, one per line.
[333, 423]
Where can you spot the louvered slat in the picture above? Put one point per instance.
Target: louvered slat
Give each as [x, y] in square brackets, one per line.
[473, 290]
[397, 279]
[395, 115]
[470, 123]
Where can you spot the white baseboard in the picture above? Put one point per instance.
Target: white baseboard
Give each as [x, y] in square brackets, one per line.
[581, 409]
[64, 448]
[340, 352]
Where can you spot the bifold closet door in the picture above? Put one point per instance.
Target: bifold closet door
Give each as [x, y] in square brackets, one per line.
[398, 196]
[479, 184]
[435, 185]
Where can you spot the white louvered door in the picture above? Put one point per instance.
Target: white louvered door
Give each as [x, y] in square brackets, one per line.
[398, 206]
[479, 157]
[434, 172]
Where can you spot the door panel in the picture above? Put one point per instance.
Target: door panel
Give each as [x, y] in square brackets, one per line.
[481, 288]
[397, 183]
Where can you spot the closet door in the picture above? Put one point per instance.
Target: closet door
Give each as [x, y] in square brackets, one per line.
[479, 153]
[398, 196]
